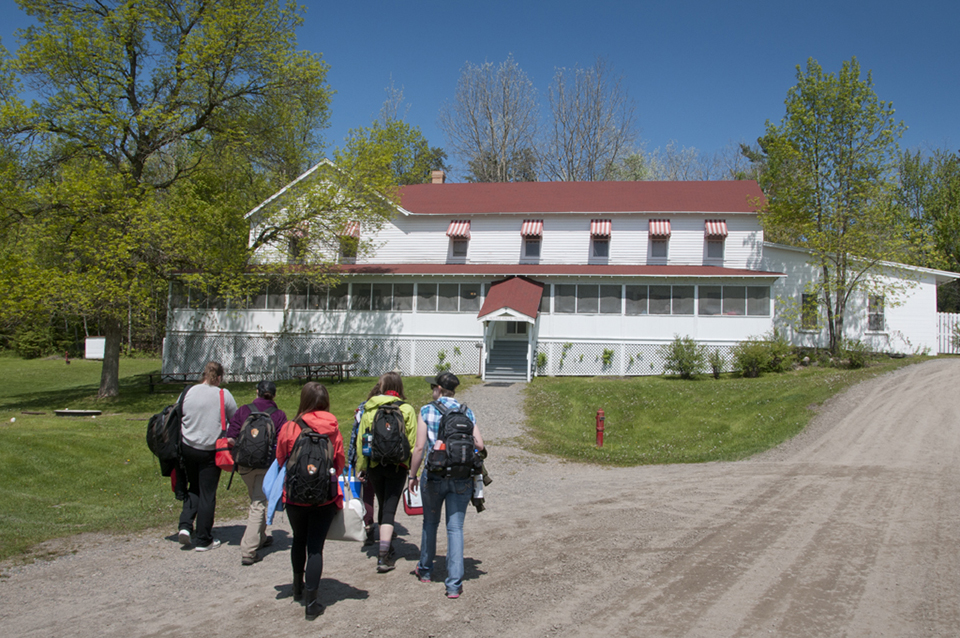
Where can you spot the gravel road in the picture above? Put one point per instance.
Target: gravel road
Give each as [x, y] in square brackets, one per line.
[850, 529]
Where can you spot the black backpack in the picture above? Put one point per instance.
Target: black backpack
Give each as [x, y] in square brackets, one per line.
[389, 444]
[163, 434]
[257, 442]
[458, 459]
[311, 478]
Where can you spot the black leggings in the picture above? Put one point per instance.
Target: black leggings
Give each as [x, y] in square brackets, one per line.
[388, 483]
[310, 526]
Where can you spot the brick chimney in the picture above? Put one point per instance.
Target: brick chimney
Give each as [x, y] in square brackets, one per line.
[437, 177]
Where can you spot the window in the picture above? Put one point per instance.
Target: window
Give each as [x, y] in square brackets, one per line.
[658, 248]
[683, 300]
[711, 298]
[601, 247]
[338, 297]
[588, 299]
[610, 300]
[402, 298]
[875, 313]
[348, 249]
[636, 300]
[382, 297]
[360, 299]
[758, 301]
[179, 295]
[531, 248]
[659, 300]
[565, 299]
[734, 300]
[444, 297]
[809, 312]
[715, 249]
[545, 299]
[516, 327]
[459, 248]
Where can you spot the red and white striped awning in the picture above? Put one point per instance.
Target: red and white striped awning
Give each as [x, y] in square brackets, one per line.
[459, 229]
[600, 227]
[351, 230]
[716, 228]
[532, 228]
[660, 228]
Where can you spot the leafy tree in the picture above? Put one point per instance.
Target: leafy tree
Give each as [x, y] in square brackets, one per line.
[829, 180]
[141, 104]
[395, 147]
[492, 124]
[592, 127]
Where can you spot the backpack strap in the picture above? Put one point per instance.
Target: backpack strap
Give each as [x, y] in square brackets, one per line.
[441, 407]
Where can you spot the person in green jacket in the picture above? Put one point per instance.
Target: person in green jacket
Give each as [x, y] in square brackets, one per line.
[388, 477]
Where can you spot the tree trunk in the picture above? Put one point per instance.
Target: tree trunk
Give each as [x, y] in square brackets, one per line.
[110, 373]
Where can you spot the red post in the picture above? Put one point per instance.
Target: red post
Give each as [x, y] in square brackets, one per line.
[600, 419]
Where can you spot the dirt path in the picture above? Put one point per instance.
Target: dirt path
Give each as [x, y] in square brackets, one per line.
[852, 529]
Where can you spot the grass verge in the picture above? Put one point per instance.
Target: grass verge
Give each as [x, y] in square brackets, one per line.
[651, 420]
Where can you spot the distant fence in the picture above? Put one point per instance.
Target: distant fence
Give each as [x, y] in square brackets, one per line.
[946, 329]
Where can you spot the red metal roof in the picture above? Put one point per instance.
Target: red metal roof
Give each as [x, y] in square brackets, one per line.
[544, 270]
[659, 227]
[532, 228]
[600, 227]
[459, 229]
[715, 228]
[582, 197]
[517, 293]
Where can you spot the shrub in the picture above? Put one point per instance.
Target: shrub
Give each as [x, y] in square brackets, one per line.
[855, 353]
[32, 341]
[717, 362]
[769, 354]
[683, 356]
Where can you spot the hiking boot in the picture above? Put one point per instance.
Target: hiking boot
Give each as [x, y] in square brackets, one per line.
[184, 537]
[421, 576]
[205, 548]
[456, 593]
[385, 562]
[298, 587]
[371, 536]
[311, 606]
[247, 561]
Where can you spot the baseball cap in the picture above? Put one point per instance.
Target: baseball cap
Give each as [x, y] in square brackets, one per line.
[446, 380]
[267, 387]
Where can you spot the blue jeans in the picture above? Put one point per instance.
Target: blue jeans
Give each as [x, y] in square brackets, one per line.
[456, 493]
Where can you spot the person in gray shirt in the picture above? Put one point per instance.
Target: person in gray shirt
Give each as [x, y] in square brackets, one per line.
[203, 417]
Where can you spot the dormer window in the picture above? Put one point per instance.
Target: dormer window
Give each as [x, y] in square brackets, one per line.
[600, 231]
[659, 232]
[349, 243]
[715, 234]
[459, 233]
[532, 234]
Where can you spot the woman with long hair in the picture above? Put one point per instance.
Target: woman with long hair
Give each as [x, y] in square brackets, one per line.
[388, 477]
[310, 521]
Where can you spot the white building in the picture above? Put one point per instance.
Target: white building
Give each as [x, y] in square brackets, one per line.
[560, 278]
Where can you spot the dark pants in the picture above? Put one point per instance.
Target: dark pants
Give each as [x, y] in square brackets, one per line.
[388, 483]
[203, 477]
[310, 525]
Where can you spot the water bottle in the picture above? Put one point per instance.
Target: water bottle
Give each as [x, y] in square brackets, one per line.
[478, 486]
[367, 442]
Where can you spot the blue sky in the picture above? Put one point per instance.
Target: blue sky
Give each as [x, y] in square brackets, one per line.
[702, 73]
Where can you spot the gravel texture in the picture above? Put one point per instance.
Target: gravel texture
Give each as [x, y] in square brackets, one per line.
[850, 529]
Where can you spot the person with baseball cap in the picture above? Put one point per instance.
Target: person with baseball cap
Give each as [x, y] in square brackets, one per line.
[255, 536]
[437, 492]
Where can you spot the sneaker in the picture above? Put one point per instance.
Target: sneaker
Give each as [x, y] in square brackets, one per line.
[249, 561]
[203, 548]
[184, 537]
[385, 562]
[455, 594]
[421, 576]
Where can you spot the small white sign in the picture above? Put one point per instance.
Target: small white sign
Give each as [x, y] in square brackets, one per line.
[95, 347]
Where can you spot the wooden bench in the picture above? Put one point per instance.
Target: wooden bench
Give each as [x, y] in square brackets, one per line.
[172, 378]
[338, 370]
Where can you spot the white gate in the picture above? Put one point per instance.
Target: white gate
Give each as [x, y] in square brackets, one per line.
[946, 330]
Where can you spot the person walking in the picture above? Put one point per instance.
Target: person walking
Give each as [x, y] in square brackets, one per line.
[366, 489]
[206, 407]
[255, 536]
[310, 522]
[439, 491]
[387, 474]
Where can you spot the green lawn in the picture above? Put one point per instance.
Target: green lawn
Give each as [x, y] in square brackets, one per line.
[667, 420]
